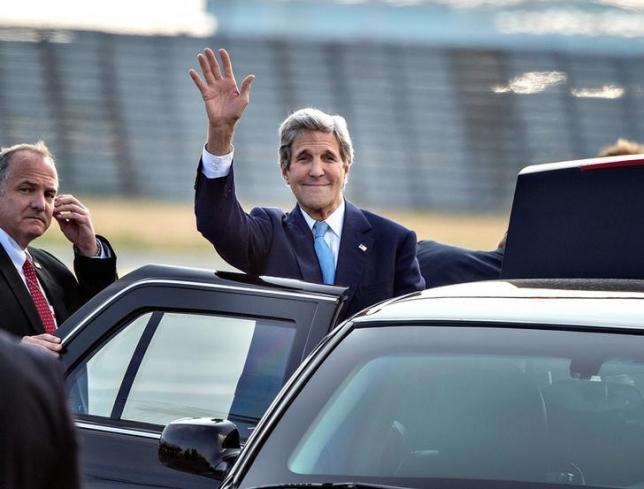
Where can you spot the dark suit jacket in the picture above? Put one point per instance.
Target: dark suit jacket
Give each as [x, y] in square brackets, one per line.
[37, 439]
[377, 257]
[65, 292]
[443, 264]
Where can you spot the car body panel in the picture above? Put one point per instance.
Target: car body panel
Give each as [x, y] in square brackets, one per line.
[519, 308]
[574, 302]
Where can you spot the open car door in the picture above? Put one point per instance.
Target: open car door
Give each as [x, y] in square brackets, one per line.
[165, 343]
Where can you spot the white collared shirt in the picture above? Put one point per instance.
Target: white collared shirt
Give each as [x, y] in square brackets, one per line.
[17, 255]
[334, 234]
[214, 166]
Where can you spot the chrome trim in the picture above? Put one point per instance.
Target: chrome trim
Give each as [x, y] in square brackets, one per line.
[144, 282]
[119, 431]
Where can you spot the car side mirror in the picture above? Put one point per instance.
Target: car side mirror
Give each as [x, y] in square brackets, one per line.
[202, 446]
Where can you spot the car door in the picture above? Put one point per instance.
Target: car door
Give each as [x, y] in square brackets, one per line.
[163, 350]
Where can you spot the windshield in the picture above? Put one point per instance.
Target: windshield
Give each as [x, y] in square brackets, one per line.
[409, 405]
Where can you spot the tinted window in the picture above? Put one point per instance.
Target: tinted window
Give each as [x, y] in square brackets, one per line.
[163, 366]
[394, 404]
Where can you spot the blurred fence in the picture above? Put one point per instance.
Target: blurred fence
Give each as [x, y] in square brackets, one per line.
[431, 127]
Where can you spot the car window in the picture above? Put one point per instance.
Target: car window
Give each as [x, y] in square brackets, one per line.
[426, 403]
[165, 365]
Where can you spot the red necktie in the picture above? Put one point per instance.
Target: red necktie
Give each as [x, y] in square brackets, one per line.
[42, 306]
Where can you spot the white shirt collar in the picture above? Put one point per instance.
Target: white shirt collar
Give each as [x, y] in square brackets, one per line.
[13, 249]
[335, 220]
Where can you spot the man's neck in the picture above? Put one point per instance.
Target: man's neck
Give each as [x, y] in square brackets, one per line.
[335, 219]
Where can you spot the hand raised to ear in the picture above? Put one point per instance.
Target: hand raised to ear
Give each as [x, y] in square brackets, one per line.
[75, 223]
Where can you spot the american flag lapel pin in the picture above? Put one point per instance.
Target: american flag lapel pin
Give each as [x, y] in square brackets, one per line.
[362, 247]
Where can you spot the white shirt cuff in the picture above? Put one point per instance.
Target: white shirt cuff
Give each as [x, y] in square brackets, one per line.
[214, 166]
[102, 253]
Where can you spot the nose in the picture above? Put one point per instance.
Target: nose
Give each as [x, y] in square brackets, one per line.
[317, 167]
[38, 201]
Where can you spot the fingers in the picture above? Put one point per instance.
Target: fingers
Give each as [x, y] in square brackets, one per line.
[207, 70]
[62, 199]
[71, 212]
[76, 224]
[67, 207]
[214, 65]
[44, 341]
[201, 85]
[246, 84]
[210, 68]
[228, 66]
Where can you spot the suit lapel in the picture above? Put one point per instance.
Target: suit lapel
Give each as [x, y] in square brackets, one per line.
[20, 292]
[301, 240]
[355, 247]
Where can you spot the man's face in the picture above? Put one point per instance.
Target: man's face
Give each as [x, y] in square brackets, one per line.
[27, 198]
[317, 173]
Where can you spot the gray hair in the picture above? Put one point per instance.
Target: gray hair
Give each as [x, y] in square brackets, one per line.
[314, 120]
[6, 153]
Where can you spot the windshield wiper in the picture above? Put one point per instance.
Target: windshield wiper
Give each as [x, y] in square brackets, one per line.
[327, 485]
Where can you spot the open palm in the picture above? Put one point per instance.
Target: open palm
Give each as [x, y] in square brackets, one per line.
[224, 101]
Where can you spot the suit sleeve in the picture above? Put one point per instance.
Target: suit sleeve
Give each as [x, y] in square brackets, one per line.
[94, 274]
[408, 277]
[242, 239]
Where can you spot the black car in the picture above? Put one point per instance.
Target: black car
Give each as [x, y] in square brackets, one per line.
[168, 342]
[536, 383]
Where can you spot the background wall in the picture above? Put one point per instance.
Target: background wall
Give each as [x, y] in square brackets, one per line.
[446, 100]
[435, 128]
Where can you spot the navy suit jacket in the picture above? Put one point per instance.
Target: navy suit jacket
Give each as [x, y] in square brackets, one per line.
[443, 264]
[65, 292]
[377, 257]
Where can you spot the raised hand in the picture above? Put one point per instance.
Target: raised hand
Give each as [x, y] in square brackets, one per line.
[224, 100]
[75, 223]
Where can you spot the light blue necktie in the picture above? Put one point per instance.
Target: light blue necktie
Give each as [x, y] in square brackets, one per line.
[324, 253]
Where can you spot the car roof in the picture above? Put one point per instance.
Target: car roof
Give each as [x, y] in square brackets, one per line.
[580, 302]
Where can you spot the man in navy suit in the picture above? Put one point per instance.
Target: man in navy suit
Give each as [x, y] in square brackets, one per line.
[325, 238]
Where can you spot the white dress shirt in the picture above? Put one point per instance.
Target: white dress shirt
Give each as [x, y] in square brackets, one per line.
[16, 254]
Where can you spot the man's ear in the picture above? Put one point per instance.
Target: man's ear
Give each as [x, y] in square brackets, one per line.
[346, 175]
[285, 174]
